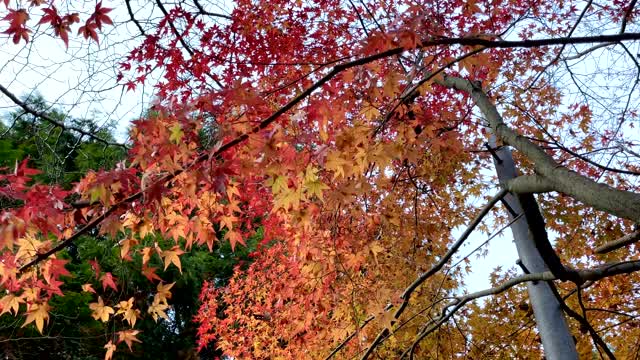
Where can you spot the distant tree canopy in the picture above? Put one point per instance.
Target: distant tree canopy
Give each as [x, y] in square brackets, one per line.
[62, 156]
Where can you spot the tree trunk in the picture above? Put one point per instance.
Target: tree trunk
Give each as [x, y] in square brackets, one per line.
[557, 341]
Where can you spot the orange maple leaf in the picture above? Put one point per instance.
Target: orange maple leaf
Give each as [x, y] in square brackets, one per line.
[128, 336]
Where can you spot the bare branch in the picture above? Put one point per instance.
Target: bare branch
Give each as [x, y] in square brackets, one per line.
[27, 109]
[594, 274]
[618, 243]
[202, 11]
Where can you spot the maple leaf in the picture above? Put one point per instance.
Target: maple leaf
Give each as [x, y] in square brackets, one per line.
[38, 313]
[125, 308]
[278, 184]
[336, 163]
[227, 221]
[108, 280]
[53, 269]
[88, 288]
[234, 237]
[172, 257]
[125, 246]
[95, 266]
[131, 86]
[150, 273]
[28, 247]
[17, 17]
[146, 254]
[50, 16]
[164, 292]
[100, 311]
[99, 15]
[157, 309]
[176, 133]
[88, 30]
[71, 18]
[315, 188]
[11, 303]
[128, 336]
[17, 20]
[287, 199]
[111, 347]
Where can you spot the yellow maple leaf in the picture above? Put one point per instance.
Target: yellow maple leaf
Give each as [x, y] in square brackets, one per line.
[27, 247]
[336, 163]
[100, 311]
[227, 220]
[278, 184]
[315, 188]
[10, 303]
[88, 288]
[145, 228]
[287, 199]
[232, 190]
[128, 336]
[125, 246]
[157, 310]
[38, 313]
[146, 255]
[176, 133]
[128, 312]
[111, 347]
[164, 292]
[370, 112]
[31, 294]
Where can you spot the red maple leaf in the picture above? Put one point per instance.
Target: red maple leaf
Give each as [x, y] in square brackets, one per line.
[100, 16]
[89, 31]
[96, 267]
[108, 280]
[17, 25]
[150, 273]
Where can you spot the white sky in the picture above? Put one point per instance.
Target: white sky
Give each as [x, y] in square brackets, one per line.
[80, 80]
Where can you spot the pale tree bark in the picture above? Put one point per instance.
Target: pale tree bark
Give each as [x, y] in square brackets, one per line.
[550, 175]
[557, 340]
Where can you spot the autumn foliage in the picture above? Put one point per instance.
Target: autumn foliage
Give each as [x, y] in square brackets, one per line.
[350, 135]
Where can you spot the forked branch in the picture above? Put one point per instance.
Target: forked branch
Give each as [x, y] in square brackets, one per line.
[594, 274]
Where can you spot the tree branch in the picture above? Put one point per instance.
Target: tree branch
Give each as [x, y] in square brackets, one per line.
[627, 15]
[527, 184]
[621, 203]
[594, 274]
[406, 295]
[616, 244]
[27, 109]
[202, 11]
